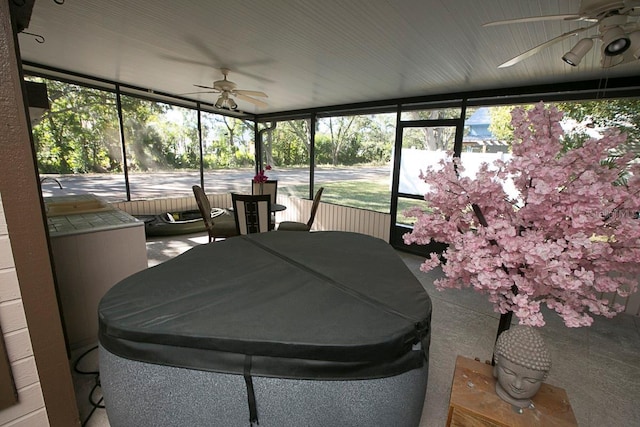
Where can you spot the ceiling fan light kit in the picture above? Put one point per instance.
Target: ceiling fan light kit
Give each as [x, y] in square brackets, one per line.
[615, 41]
[617, 28]
[575, 55]
[225, 102]
[228, 89]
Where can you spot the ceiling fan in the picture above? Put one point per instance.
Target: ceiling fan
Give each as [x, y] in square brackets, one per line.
[227, 90]
[616, 29]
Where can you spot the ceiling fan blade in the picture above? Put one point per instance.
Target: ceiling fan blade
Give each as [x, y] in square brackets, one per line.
[535, 19]
[544, 45]
[251, 93]
[252, 100]
[193, 93]
[185, 60]
[205, 87]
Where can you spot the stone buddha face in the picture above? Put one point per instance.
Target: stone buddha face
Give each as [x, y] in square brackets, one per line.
[522, 363]
[516, 384]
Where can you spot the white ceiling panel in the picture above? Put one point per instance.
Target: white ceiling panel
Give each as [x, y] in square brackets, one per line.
[307, 54]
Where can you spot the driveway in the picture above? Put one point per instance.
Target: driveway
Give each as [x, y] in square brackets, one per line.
[178, 183]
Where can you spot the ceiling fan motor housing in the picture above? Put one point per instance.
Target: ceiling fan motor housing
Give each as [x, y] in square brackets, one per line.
[224, 85]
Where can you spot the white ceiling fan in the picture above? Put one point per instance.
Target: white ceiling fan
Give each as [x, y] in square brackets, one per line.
[228, 89]
[616, 27]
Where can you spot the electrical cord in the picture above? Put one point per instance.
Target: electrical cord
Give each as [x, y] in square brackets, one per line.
[79, 359]
[96, 374]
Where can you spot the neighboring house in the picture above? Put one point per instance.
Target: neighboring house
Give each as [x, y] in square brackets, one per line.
[479, 139]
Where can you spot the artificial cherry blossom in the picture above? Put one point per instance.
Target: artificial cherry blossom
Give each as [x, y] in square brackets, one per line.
[569, 235]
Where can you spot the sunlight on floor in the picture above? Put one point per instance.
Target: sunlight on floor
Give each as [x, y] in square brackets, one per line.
[160, 249]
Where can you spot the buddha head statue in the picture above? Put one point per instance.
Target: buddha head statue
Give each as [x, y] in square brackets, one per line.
[522, 363]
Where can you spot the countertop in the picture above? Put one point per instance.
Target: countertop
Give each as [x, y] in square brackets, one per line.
[86, 213]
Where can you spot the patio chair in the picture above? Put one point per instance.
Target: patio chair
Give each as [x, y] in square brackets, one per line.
[301, 226]
[252, 213]
[220, 226]
[269, 187]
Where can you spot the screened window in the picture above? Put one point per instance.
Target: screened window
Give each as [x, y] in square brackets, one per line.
[77, 142]
[286, 149]
[162, 146]
[353, 160]
[229, 153]
[431, 114]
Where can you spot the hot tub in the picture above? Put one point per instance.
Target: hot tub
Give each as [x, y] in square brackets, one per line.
[284, 329]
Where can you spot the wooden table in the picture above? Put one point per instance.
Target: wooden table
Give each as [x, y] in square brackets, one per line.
[474, 402]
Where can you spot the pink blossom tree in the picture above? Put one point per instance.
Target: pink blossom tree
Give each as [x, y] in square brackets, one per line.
[569, 235]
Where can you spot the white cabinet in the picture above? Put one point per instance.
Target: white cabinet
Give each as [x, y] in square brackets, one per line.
[92, 251]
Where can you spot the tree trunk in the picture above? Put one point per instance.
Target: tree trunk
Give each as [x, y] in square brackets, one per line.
[505, 323]
[505, 319]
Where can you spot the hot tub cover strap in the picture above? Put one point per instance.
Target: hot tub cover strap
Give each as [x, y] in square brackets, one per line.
[251, 396]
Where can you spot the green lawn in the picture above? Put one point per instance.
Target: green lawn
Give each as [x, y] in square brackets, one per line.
[370, 195]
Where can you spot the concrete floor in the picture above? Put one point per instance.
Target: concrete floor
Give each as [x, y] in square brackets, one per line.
[599, 366]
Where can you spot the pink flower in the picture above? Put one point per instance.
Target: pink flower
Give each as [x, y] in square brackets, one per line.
[260, 177]
[565, 238]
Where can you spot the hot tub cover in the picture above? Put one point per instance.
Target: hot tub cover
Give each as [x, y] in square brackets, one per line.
[322, 305]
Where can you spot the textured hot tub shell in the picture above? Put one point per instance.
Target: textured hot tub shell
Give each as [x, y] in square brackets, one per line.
[143, 394]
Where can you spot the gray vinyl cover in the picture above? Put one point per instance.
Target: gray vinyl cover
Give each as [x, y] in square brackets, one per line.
[321, 305]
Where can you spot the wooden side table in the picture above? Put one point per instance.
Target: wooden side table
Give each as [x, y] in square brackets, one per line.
[474, 402]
